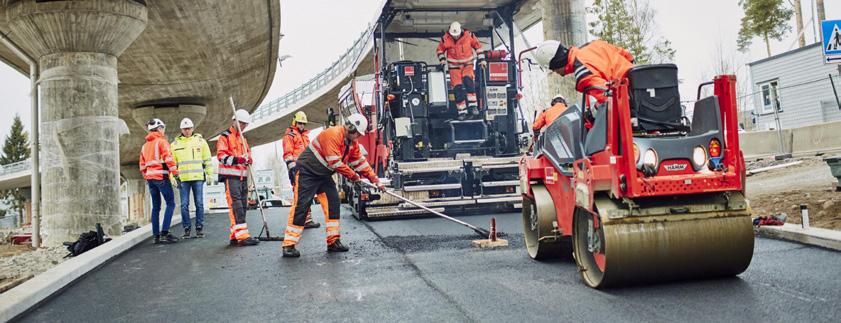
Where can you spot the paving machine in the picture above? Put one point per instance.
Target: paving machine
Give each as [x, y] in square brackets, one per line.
[644, 195]
[416, 142]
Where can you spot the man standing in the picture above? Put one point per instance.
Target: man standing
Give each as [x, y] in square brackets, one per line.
[295, 141]
[458, 49]
[157, 165]
[192, 155]
[546, 117]
[334, 150]
[234, 158]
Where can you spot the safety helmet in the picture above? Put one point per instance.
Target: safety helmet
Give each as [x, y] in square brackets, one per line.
[545, 52]
[154, 124]
[300, 117]
[455, 29]
[187, 123]
[559, 99]
[242, 116]
[357, 122]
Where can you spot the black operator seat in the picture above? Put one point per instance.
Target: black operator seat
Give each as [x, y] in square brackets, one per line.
[655, 100]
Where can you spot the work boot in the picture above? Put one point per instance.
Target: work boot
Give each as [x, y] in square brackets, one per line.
[199, 233]
[157, 239]
[462, 115]
[233, 242]
[337, 246]
[186, 234]
[167, 238]
[291, 252]
[249, 242]
[474, 111]
[311, 225]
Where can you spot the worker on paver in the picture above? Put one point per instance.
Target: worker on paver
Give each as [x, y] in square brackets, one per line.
[593, 64]
[546, 117]
[192, 155]
[458, 50]
[157, 165]
[295, 141]
[234, 158]
[334, 150]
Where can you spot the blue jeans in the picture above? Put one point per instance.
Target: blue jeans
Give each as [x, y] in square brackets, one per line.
[198, 198]
[156, 189]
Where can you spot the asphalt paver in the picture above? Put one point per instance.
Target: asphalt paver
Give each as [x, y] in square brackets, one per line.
[423, 270]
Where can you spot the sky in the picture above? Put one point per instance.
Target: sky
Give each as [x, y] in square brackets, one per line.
[317, 32]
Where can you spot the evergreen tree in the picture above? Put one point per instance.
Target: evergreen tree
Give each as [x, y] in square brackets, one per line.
[767, 19]
[15, 149]
[630, 24]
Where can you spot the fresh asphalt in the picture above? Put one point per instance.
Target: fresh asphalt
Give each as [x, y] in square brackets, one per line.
[423, 270]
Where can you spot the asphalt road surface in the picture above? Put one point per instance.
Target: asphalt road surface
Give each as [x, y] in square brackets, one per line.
[424, 270]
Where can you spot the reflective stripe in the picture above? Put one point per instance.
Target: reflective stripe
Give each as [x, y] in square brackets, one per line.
[332, 158]
[336, 165]
[242, 234]
[294, 229]
[191, 171]
[333, 233]
[316, 144]
[317, 154]
[152, 163]
[290, 238]
[356, 162]
[191, 162]
[361, 167]
[157, 171]
[232, 171]
[157, 150]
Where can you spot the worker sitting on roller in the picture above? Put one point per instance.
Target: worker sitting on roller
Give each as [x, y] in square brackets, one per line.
[295, 141]
[546, 117]
[334, 150]
[458, 50]
[593, 64]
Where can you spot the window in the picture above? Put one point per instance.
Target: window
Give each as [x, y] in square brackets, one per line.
[770, 97]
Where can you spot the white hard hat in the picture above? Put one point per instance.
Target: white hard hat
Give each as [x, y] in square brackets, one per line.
[545, 52]
[187, 123]
[455, 29]
[242, 116]
[358, 122]
[155, 124]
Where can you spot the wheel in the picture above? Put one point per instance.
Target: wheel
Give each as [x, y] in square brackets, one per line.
[542, 240]
[589, 247]
[356, 205]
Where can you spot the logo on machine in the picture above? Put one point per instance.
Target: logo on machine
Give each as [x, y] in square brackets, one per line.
[676, 167]
[409, 70]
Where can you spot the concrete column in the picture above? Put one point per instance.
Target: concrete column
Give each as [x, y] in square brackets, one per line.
[27, 206]
[77, 44]
[564, 21]
[138, 196]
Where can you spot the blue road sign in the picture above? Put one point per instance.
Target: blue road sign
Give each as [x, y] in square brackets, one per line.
[831, 32]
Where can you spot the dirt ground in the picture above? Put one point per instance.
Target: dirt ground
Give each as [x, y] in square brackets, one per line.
[8, 250]
[783, 190]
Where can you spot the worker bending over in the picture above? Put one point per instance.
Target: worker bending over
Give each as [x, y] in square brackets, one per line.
[295, 141]
[458, 50]
[546, 117]
[593, 64]
[234, 158]
[192, 155]
[157, 165]
[334, 150]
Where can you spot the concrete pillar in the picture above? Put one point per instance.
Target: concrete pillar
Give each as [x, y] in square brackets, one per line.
[138, 196]
[564, 21]
[77, 44]
[27, 206]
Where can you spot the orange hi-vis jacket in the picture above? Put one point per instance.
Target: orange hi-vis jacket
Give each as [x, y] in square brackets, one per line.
[597, 63]
[227, 149]
[459, 52]
[546, 117]
[294, 143]
[332, 152]
[156, 158]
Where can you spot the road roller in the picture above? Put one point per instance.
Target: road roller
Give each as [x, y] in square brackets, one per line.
[637, 192]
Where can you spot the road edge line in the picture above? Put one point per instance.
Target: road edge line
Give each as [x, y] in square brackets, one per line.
[824, 238]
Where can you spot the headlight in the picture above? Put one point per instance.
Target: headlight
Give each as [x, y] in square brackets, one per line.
[699, 156]
[649, 159]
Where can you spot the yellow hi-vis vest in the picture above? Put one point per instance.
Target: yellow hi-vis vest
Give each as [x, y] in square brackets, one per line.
[193, 154]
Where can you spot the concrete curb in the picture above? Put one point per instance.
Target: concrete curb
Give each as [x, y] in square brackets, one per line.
[20, 299]
[824, 238]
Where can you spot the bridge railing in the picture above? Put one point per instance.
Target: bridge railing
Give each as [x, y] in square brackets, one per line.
[16, 167]
[347, 60]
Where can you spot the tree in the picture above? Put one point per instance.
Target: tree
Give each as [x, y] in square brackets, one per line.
[15, 149]
[630, 24]
[767, 19]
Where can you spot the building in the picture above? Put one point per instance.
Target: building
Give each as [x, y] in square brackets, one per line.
[798, 83]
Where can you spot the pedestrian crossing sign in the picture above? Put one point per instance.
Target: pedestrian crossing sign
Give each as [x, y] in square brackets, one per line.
[831, 32]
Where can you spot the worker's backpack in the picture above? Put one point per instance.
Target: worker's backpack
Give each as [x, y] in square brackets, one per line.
[86, 241]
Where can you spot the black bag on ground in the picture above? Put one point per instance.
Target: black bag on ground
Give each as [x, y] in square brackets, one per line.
[87, 241]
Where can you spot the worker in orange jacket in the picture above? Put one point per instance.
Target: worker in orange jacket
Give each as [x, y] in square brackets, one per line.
[234, 157]
[334, 150]
[458, 50]
[157, 165]
[593, 64]
[295, 141]
[546, 117]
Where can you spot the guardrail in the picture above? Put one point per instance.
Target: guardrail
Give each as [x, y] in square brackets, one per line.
[17, 167]
[344, 62]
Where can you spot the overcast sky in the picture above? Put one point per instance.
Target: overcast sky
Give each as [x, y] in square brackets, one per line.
[318, 31]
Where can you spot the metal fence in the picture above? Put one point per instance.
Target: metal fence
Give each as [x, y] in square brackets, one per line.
[346, 61]
[17, 167]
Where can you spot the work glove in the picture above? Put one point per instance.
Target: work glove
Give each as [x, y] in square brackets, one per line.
[442, 62]
[380, 186]
[240, 160]
[249, 161]
[291, 165]
[483, 63]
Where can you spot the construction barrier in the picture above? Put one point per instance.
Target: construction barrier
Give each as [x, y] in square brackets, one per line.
[802, 140]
